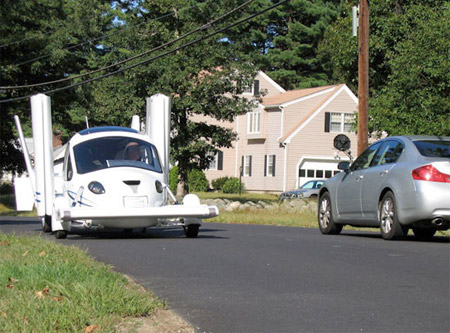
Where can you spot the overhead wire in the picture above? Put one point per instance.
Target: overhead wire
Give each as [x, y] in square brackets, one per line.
[107, 35]
[203, 27]
[156, 57]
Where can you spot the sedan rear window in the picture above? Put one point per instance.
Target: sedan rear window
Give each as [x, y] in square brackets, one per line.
[433, 148]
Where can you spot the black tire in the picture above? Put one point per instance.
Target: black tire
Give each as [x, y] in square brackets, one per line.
[61, 234]
[424, 234]
[390, 227]
[47, 224]
[325, 216]
[191, 231]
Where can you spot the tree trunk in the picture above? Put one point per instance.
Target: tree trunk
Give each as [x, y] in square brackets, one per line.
[183, 186]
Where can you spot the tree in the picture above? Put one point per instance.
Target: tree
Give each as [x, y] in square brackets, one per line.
[409, 79]
[45, 40]
[204, 78]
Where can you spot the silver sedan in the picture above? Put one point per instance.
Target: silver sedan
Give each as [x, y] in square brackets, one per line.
[398, 183]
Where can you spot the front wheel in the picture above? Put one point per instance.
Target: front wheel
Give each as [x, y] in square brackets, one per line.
[191, 231]
[325, 217]
[47, 223]
[389, 225]
[61, 234]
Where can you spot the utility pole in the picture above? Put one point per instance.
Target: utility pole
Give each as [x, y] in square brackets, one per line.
[363, 76]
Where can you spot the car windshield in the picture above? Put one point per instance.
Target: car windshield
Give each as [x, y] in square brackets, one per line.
[433, 148]
[102, 153]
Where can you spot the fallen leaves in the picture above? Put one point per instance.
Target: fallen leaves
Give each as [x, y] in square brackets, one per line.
[90, 328]
[3, 243]
[44, 292]
[42, 254]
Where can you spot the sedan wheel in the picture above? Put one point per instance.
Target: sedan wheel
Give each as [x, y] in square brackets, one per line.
[389, 224]
[326, 223]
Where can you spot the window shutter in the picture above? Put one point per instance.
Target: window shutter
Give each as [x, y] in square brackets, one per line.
[256, 88]
[274, 159]
[327, 122]
[220, 161]
[250, 166]
[242, 166]
[265, 165]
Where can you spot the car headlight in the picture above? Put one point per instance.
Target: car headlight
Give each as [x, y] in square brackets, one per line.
[96, 187]
[159, 186]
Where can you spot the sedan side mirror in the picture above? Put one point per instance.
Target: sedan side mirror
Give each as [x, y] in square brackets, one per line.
[344, 166]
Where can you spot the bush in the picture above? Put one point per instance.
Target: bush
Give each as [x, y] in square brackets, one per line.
[218, 183]
[197, 181]
[173, 179]
[232, 186]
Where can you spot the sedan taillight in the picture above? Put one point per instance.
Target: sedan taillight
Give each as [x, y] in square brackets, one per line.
[431, 174]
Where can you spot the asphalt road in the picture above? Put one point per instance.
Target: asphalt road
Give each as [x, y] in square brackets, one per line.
[241, 278]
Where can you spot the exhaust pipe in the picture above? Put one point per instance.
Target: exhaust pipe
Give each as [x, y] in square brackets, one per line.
[438, 221]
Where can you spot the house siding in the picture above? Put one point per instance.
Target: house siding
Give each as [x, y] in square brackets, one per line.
[258, 149]
[313, 141]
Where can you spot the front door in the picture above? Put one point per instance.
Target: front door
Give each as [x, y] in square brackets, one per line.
[349, 191]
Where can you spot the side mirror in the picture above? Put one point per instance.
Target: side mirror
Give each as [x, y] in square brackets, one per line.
[344, 166]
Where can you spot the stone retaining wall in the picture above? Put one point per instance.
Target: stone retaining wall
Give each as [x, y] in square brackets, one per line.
[293, 205]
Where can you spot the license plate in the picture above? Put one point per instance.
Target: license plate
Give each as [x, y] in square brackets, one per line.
[135, 202]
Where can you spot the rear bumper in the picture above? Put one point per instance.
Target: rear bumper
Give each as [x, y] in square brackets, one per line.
[431, 208]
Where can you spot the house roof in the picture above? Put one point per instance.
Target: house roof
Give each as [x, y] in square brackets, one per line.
[292, 95]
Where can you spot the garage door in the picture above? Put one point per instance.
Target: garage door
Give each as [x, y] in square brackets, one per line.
[316, 169]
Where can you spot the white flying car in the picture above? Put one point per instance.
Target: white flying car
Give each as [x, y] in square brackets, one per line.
[112, 177]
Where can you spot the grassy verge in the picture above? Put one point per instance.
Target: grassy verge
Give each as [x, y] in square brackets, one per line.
[49, 287]
[277, 217]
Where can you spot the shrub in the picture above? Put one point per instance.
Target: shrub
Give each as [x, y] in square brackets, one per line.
[218, 183]
[197, 181]
[232, 186]
[173, 179]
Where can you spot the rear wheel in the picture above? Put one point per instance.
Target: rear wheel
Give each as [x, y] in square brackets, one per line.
[191, 231]
[424, 234]
[325, 217]
[389, 225]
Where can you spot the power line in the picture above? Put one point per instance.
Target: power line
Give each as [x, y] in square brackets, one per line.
[156, 57]
[203, 27]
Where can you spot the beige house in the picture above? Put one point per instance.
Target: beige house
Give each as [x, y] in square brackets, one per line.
[288, 138]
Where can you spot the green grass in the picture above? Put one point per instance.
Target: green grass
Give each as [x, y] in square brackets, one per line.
[277, 217]
[47, 287]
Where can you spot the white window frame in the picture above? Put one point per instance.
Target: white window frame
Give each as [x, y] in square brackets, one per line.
[254, 122]
[270, 164]
[342, 122]
[249, 89]
[214, 165]
[246, 167]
